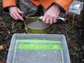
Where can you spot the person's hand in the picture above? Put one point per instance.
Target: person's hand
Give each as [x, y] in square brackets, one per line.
[51, 15]
[15, 13]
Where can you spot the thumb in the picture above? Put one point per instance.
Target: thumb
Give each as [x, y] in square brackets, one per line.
[21, 12]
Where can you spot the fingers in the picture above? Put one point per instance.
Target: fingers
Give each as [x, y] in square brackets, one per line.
[44, 19]
[15, 13]
[19, 11]
[54, 19]
[49, 19]
[18, 16]
[51, 14]
[14, 16]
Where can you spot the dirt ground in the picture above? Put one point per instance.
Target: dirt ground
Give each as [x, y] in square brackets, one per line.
[72, 29]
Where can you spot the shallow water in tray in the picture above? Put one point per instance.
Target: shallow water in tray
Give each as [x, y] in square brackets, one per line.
[38, 56]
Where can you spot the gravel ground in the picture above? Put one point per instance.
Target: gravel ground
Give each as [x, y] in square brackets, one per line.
[72, 29]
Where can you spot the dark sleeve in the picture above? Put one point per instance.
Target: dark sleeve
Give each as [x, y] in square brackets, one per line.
[61, 8]
[6, 8]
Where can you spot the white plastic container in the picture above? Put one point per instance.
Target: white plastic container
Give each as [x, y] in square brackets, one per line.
[38, 48]
[76, 7]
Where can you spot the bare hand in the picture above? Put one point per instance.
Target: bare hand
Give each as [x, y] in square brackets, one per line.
[51, 15]
[15, 13]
